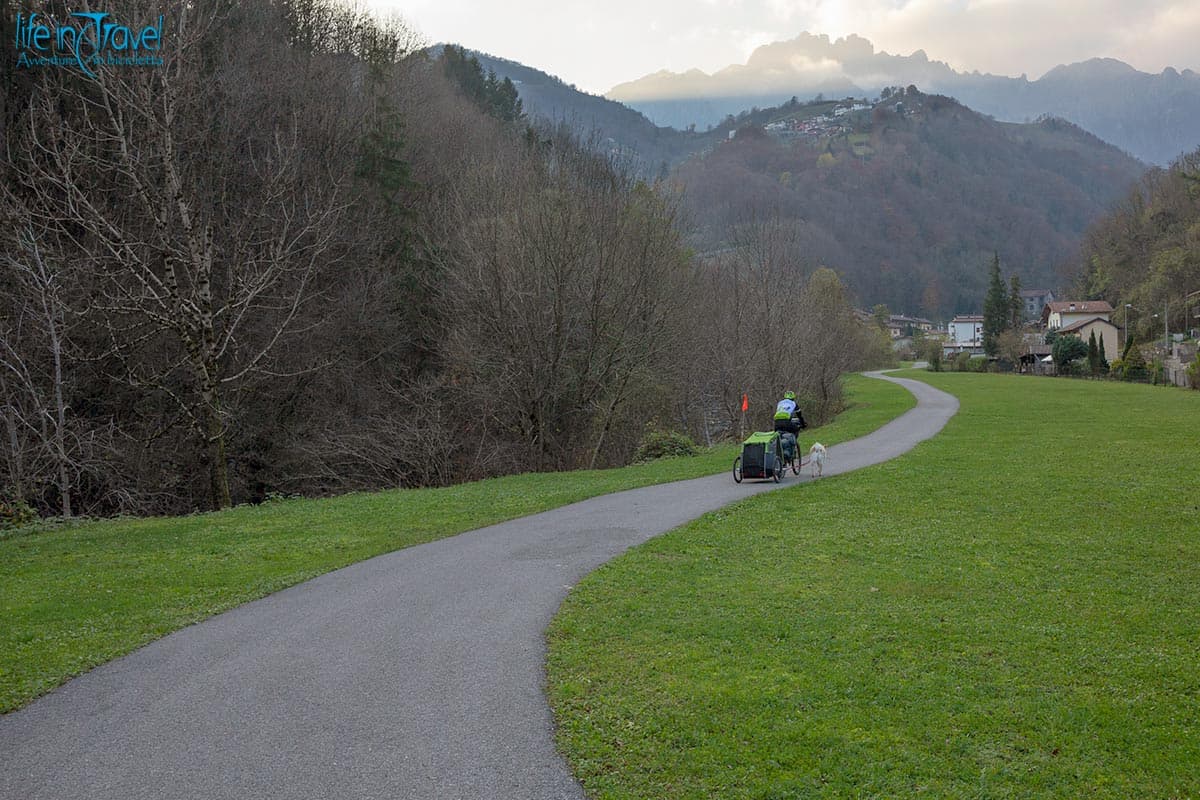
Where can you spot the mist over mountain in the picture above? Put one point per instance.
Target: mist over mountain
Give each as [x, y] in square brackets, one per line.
[1153, 117]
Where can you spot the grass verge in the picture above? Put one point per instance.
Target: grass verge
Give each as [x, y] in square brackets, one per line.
[75, 596]
[1011, 610]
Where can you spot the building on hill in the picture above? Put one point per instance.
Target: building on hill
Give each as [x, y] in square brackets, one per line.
[1060, 314]
[1105, 331]
[899, 325]
[1034, 300]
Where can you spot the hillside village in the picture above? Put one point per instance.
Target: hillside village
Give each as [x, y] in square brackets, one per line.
[817, 119]
[832, 122]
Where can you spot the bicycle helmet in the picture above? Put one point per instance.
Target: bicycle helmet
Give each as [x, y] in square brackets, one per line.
[789, 395]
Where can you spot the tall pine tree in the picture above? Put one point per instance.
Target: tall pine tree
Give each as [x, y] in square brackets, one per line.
[1016, 308]
[995, 309]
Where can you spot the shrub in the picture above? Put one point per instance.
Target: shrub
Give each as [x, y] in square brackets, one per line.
[15, 513]
[1193, 372]
[977, 364]
[1133, 366]
[932, 352]
[664, 444]
[962, 362]
[1066, 350]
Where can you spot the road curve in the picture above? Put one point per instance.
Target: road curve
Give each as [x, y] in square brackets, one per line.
[416, 674]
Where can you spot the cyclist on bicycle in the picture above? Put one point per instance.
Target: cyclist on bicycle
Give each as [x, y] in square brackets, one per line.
[788, 418]
[789, 422]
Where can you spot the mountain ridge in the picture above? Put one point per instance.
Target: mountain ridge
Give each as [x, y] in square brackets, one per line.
[618, 129]
[1155, 117]
[907, 197]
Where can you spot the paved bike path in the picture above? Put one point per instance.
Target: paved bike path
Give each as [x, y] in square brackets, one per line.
[416, 674]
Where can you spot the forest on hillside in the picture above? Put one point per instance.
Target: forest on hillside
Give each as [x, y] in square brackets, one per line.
[608, 125]
[910, 199]
[1146, 253]
[302, 256]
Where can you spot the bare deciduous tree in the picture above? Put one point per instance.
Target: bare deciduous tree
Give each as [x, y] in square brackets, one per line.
[834, 341]
[48, 444]
[751, 310]
[204, 210]
[567, 292]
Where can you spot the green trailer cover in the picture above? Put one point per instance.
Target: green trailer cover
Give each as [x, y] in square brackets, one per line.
[762, 437]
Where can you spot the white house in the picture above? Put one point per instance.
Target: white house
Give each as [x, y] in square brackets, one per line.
[966, 330]
[1068, 312]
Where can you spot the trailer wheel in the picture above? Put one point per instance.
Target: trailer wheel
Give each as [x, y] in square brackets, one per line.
[737, 470]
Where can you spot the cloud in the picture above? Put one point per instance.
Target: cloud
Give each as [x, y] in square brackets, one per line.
[597, 46]
[1028, 36]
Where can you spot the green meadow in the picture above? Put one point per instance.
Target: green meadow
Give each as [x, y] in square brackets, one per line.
[1010, 610]
[75, 596]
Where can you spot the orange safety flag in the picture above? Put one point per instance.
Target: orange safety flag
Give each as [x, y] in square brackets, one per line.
[745, 402]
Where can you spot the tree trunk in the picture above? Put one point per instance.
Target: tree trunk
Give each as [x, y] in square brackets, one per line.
[18, 469]
[60, 413]
[608, 417]
[215, 444]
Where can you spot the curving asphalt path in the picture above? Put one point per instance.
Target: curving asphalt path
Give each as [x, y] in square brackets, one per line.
[417, 674]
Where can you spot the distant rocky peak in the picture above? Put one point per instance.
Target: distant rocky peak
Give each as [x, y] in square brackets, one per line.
[1092, 68]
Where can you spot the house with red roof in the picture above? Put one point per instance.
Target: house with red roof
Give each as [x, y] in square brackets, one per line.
[1058, 315]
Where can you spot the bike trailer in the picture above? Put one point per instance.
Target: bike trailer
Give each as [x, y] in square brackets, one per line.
[762, 457]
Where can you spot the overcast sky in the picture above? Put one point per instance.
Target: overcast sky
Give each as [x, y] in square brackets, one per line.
[597, 45]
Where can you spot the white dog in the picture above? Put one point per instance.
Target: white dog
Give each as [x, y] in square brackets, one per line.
[816, 457]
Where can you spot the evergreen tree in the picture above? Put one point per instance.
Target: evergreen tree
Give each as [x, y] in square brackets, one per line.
[1016, 308]
[1133, 363]
[1093, 355]
[491, 94]
[1103, 358]
[505, 101]
[1065, 350]
[995, 309]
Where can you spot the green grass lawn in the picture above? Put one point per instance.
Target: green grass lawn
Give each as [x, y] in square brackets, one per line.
[76, 596]
[1011, 610]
